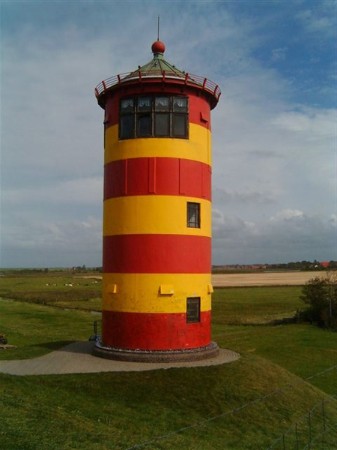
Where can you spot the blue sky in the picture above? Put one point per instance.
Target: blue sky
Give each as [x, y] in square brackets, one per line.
[274, 129]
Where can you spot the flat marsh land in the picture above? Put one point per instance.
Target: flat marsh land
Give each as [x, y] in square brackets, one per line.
[281, 393]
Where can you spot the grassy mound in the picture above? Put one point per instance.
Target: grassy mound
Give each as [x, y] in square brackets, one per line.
[244, 405]
[275, 391]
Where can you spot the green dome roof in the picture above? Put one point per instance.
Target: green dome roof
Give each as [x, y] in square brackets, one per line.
[158, 66]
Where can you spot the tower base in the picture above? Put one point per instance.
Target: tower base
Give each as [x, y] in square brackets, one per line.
[183, 355]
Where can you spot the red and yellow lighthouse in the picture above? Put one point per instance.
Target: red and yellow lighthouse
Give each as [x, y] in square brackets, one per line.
[157, 213]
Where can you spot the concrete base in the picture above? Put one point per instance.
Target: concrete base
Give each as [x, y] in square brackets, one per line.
[195, 354]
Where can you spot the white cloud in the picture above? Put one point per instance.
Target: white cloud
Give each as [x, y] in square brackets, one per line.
[321, 20]
[290, 235]
[287, 214]
[315, 123]
[84, 191]
[36, 242]
[274, 172]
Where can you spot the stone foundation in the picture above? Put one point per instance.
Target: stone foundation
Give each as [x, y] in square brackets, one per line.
[184, 355]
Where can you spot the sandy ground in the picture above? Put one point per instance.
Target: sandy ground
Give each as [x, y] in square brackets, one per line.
[264, 279]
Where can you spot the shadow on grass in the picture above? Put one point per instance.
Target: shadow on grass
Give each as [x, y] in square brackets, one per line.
[55, 345]
[69, 346]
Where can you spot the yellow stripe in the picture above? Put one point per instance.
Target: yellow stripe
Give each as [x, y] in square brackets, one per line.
[154, 214]
[155, 293]
[197, 147]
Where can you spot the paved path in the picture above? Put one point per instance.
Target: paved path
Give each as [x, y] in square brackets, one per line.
[77, 358]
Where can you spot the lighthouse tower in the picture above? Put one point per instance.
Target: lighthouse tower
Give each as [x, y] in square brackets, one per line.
[157, 213]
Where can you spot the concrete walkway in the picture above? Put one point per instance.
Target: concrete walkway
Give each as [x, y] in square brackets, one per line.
[77, 358]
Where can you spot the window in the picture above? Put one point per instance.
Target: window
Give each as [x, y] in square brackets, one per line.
[153, 116]
[193, 215]
[126, 126]
[193, 310]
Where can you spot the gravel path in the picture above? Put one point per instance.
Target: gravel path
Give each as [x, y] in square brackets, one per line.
[77, 358]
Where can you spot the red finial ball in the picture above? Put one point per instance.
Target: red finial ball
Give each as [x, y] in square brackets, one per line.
[158, 47]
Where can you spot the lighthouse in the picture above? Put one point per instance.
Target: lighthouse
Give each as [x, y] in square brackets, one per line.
[157, 213]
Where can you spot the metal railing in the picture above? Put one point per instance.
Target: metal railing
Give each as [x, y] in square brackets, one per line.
[189, 79]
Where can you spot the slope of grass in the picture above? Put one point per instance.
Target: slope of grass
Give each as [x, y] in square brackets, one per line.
[245, 405]
[255, 304]
[37, 329]
[302, 349]
[284, 371]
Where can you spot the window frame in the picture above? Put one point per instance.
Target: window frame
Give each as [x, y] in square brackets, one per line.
[165, 119]
[193, 309]
[193, 209]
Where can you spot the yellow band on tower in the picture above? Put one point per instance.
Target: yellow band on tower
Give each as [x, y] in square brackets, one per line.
[155, 293]
[154, 214]
[197, 147]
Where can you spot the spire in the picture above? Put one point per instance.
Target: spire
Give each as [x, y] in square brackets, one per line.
[158, 47]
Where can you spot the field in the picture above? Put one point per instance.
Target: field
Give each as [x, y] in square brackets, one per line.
[281, 394]
[263, 279]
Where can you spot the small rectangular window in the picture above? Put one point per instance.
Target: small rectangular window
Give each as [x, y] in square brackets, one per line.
[193, 215]
[193, 310]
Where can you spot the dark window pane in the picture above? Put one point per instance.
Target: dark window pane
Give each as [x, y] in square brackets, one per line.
[179, 104]
[162, 103]
[126, 130]
[144, 104]
[179, 125]
[144, 125]
[193, 310]
[127, 105]
[148, 116]
[162, 124]
[193, 215]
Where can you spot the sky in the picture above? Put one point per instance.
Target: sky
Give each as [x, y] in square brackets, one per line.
[273, 130]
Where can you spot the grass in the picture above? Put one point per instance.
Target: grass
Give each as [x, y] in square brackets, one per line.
[59, 289]
[255, 305]
[247, 404]
[35, 329]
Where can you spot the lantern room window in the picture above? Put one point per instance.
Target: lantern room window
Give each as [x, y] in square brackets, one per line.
[153, 116]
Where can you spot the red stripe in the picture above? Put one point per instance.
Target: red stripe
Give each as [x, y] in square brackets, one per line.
[154, 331]
[156, 253]
[199, 107]
[161, 176]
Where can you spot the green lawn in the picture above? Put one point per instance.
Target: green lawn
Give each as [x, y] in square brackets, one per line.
[62, 289]
[284, 371]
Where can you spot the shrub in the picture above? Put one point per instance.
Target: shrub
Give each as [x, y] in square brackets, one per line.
[320, 294]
